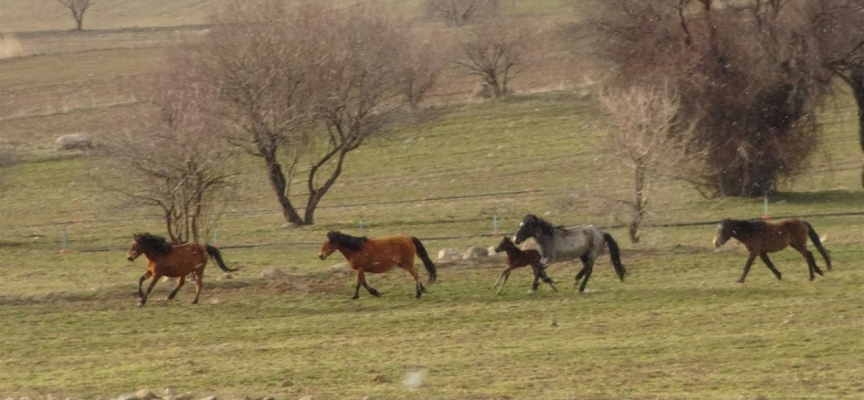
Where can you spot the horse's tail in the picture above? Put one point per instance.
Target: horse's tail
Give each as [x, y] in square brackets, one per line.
[615, 255]
[421, 251]
[818, 243]
[217, 257]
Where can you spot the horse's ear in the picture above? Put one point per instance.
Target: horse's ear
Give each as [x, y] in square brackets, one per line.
[530, 218]
[136, 237]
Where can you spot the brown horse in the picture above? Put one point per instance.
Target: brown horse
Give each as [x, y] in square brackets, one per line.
[761, 238]
[175, 261]
[518, 258]
[378, 256]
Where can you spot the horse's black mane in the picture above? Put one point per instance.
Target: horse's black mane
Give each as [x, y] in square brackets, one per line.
[152, 243]
[743, 226]
[546, 227]
[353, 243]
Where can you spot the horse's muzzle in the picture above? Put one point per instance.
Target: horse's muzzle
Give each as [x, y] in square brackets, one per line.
[130, 258]
[322, 257]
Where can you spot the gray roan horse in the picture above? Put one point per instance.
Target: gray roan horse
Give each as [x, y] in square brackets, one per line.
[559, 244]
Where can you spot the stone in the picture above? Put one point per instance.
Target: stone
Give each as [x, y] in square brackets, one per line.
[474, 252]
[129, 396]
[448, 253]
[145, 394]
[341, 268]
[225, 277]
[169, 392]
[306, 397]
[272, 272]
[210, 398]
[74, 141]
[185, 396]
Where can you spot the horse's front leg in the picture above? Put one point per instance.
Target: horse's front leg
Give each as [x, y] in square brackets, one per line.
[502, 279]
[360, 280]
[539, 273]
[371, 290]
[747, 265]
[153, 281]
[141, 282]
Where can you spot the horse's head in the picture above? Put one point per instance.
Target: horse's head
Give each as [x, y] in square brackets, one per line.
[505, 244]
[724, 232]
[146, 243]
[135, 249]
[527, 228]
[330, 245]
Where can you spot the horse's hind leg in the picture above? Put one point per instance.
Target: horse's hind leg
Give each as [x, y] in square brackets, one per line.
[198, 274]
[180, 282]
[811, 262]
[589, 268]
[153, 282]
[770, 265]
[747, 265]
[419, 289]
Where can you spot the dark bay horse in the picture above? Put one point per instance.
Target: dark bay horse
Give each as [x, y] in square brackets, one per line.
[175, 261]
[761, 238]
[377, 256]
[559, 244]
[518, 258]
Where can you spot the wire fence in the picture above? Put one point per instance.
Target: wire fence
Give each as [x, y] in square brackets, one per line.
[507, 233]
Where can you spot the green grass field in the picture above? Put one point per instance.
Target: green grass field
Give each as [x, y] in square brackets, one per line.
[679, 327]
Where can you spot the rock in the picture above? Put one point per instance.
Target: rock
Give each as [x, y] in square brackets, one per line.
[447, 254]
[306, 397]
[225, 277]
[74, 141]
[145, 394]
[342, 268]
[474, 252]
[272, 272]
[128, 397]
[210, 398]
[169, 392]
[185, 396]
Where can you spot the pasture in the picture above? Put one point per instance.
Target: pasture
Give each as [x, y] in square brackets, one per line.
[678, 327]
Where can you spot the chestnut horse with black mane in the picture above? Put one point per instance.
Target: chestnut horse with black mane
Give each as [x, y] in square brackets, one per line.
[761, 238]
[175, 261]
[377, 256]
[518, 258]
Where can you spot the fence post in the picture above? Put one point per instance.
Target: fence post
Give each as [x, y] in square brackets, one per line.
[64, 241]
[495, 231]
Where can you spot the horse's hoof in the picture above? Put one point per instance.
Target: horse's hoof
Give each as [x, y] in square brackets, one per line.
[355, 297]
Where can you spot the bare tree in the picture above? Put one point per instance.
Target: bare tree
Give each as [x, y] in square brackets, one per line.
[491, 51]
[838, 28]
[646, 131]
[744, 69]
[309, 84]
[423, 62]
[77, 8]
[174, 162]
[462, 12]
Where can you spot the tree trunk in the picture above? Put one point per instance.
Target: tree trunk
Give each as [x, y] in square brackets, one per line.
[277, 180]
[315, 195]
[79, 21]
[856, 83]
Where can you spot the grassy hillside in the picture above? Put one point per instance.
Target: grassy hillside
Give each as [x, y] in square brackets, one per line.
[677, 328]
